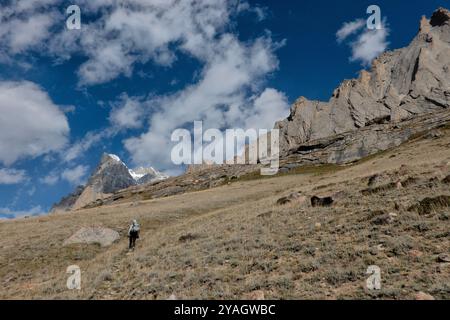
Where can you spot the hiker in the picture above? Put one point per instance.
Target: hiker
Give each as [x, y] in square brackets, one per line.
[133, 234]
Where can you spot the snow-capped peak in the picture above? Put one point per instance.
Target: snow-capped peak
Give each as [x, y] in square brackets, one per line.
[137, 174]
[114, 157]
[152, 174]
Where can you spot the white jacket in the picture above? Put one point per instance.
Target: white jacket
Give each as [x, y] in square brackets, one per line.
[134, 226]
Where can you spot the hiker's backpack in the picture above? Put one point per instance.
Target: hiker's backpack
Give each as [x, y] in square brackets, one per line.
[135, 228]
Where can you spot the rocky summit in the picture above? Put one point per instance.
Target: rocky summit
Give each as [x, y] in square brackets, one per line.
[110, 176]
[400, 85]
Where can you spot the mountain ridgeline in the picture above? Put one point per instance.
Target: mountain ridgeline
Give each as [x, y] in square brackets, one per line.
[110, 176]
[401, 84]
[406, 93]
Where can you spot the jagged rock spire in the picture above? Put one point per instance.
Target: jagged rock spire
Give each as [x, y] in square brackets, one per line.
[401, 84]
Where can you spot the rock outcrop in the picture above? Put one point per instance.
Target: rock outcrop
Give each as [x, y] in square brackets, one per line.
[354, 145]
[401, 84]
[103, 236]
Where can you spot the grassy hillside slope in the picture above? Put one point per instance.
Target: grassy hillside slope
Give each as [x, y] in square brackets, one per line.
[235, 242]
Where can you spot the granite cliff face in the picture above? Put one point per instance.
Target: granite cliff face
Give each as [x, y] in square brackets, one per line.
[405, 95]
[401, 84]
[111, 175]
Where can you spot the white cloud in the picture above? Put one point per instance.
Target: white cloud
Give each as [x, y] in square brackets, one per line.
[26, 25]
[30, 123]
[6, 213]
[51, 179]
[220, 98]
[12, 176]
[349, 28]
[24, 34]
[139, 32]
[90, 139]
[121, 34]
[268, 108]
[261, 13]
[31, 191]
[368, 45]
[129, 114]
[75, 175]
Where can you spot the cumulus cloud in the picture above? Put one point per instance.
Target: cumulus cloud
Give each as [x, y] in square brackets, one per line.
[12, 176]
[139, 31]
[368, 43]
[128, 114]
[269, 107]
[90, 139]
[349, 28]
[30, 123]
[26, 24]
[75, 175]
[118, 35]
[218, 103]
[24, 34]
[51, 179]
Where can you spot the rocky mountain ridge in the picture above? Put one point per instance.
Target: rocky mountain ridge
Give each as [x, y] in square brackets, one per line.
[401, 84]
[405, 95]
[110, 176]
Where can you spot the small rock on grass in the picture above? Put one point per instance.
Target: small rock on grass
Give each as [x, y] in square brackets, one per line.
[255, 295]
[444, 257]
[294, 197]
[103, 236]
[415, 253]
[423, 296]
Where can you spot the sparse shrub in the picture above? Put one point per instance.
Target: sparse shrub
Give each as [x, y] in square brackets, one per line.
[188, 237]
[428, 205]
[400, 246]
[105, 275]
[340, 276]
[308, 266]
[422, 227]
[310, 250]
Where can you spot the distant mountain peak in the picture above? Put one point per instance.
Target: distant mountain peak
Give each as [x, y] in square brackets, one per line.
[113, 156]
[110, 176]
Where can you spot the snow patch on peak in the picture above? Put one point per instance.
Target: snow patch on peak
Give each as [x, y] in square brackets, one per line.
[150, 173]
[114, 157]
[147, 174]
[136, 176]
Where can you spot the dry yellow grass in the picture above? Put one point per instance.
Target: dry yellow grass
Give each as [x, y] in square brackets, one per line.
[228, 242]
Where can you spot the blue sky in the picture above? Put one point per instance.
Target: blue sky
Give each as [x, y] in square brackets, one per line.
[134, 73]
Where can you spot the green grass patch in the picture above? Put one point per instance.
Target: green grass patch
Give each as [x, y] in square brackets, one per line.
[315, 170]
